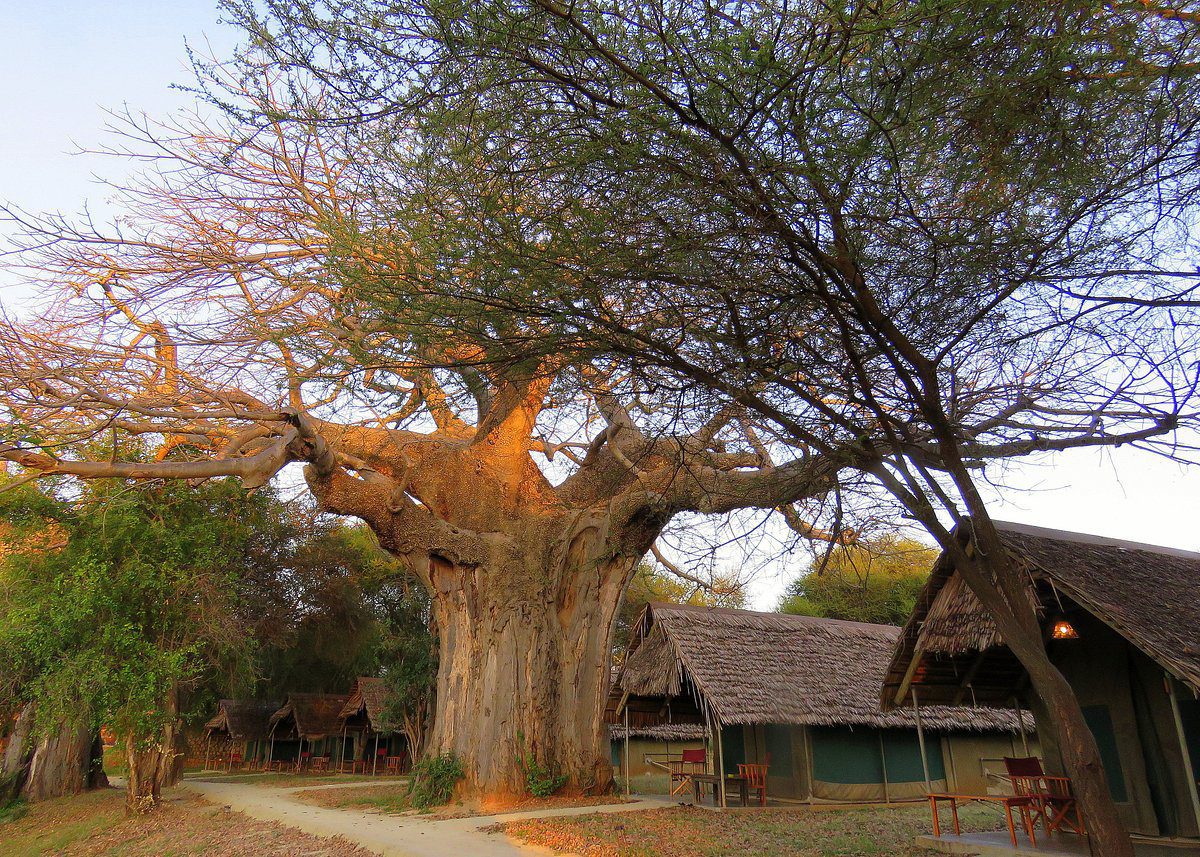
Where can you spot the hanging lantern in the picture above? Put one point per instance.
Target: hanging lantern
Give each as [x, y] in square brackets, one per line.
[1063, 630]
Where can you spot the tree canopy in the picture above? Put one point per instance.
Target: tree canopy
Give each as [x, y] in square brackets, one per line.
[872, 581]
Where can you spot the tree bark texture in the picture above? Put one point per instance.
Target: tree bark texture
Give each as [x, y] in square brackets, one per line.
[154, 764]
[38, 768]
[525, 671]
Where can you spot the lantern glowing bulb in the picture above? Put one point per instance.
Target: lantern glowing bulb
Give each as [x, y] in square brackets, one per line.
[1063, 630]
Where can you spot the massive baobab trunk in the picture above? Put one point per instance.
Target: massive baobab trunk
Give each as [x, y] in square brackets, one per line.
[525, 667]
[525, 611]
[39, 767]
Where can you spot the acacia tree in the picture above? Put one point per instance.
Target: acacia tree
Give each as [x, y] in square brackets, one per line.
[908, 238]
[226, 317]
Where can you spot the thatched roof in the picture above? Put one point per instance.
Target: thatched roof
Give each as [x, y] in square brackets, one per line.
[243, 719]
[749, 667]
[370, 697]
[662, 732]
[1147, 594]
[314, 715]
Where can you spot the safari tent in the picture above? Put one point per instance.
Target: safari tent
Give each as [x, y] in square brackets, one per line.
[238, 731]
[801, 694]
[364, 719]
[652, 747]
[306, 723]
[1121, 621]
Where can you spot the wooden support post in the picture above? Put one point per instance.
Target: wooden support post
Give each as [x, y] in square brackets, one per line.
[721, 765]
[271, 749]
[207, 745]
[1189, 771]
[921, 741]
[626, 713]
[375, 760]
[300, 753]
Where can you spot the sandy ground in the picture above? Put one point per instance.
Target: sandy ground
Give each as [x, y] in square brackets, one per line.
[390, 835]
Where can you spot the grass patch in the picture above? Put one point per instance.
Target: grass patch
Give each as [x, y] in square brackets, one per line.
[382, 798]
[882, 832]
[55, 825]
[12, 810]
[94, 824]
[277, 780]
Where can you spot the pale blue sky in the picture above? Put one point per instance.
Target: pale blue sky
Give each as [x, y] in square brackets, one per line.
[62, 63]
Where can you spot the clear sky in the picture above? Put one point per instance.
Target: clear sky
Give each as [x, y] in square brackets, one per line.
[63, 63]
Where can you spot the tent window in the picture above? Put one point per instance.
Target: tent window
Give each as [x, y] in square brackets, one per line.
[1099, 720]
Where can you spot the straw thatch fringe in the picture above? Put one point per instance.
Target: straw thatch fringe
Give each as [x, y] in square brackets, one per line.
[371, 696]
[1149, 595]
[243, 719]
[662, 732]
[749, 667]
[315, 714]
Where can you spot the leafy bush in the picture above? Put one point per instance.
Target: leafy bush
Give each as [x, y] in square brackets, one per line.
[433, 780]
[542, 780]
[12, 810]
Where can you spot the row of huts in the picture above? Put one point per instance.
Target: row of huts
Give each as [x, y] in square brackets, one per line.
[847, 711]
[349, 731]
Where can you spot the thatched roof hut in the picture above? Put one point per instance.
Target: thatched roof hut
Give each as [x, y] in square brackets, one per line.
[757, 668]
[1148, 595]
[242, 719]
[368, 699]
[311, 715]
[1122, 624]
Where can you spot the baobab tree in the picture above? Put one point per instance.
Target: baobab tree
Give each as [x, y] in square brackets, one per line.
[223, 319]
[915, 239]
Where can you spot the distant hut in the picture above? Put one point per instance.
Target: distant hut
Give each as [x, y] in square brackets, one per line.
[307, 722]
[240, 728]
[801, 694]
[364, 721]
[1122, 623]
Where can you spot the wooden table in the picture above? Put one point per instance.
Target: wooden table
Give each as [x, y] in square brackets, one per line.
[713, 780]
[1009, 802]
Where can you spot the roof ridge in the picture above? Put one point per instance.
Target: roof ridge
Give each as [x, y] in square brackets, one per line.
[1091, 539]
[701, 609]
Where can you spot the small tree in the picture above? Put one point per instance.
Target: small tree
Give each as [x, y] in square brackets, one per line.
[134, 606]
[869, 581]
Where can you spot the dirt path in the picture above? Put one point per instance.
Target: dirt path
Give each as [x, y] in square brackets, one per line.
[391, 835]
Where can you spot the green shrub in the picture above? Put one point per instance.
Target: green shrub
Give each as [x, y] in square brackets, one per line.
[12, 810]
[433, 780]
[542, 780]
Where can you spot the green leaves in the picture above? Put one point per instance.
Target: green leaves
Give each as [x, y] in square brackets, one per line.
[874, 582]
[139, 600]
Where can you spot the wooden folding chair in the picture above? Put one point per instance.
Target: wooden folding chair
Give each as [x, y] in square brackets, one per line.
[1053, 801]
[691, 762]
[756, 780]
